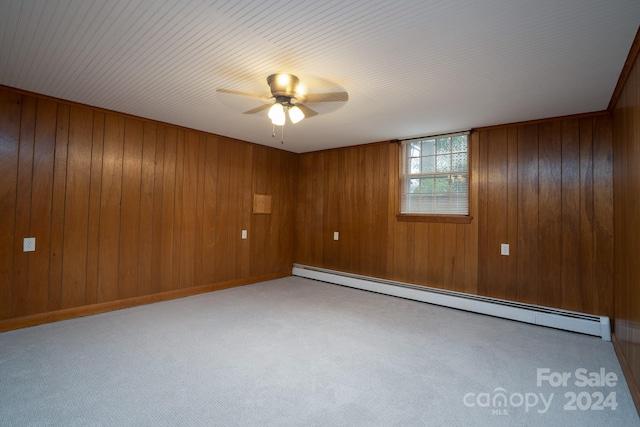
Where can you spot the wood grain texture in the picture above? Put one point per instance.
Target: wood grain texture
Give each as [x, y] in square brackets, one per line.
[124, 209]
[109, 243]
[528, 213]
[23, 206]
[550, 222]
[355, 191]
[58, 208]
[626, 208]
[146, 284]
[10, 112]
[41, 192]
[76, 210]
[95, 189]
[571, 274]
[533, 186]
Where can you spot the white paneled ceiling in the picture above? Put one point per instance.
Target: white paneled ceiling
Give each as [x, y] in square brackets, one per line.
[410, 67]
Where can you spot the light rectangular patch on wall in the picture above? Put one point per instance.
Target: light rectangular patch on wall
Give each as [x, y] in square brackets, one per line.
[262, 203]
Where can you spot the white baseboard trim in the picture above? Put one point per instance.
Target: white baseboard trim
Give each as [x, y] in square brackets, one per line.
[538, 315]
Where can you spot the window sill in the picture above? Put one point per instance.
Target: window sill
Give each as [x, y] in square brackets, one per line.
[451, 219]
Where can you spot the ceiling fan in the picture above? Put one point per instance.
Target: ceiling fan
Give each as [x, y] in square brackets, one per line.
[290, 97]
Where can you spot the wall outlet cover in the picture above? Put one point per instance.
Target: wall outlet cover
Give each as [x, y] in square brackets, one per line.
[29, 244]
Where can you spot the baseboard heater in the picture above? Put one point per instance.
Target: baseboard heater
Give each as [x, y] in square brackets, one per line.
[528, 313]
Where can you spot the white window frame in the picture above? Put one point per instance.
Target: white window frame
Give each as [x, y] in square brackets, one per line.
[445, 167]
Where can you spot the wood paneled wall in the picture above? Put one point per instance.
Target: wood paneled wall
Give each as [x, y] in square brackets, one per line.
[626, 180]
[355, 191]
[545, 188]
[123, 208]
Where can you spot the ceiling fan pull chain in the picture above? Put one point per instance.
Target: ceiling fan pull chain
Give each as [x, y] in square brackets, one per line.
[282, 138]
[273, 130]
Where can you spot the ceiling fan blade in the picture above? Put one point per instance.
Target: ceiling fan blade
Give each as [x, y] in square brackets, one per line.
[308, 112]
[327, 97]
[258, 109]
[237, 92]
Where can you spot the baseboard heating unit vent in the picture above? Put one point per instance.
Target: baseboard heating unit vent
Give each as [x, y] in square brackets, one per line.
[534, 314]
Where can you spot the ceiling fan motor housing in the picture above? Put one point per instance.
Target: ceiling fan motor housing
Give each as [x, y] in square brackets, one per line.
[283, 85]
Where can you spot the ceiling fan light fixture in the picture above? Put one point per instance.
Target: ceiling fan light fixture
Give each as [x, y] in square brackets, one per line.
[295, 114]
[276, 114]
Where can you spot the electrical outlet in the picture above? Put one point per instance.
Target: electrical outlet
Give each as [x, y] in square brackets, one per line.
[336, 235]
[504, 249]
[244, 234]
[29, 244]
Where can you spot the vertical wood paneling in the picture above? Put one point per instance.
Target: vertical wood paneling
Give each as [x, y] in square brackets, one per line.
[420, 260]
[210, 203]
[380, 208]
[435, 273]
[187, 196]
[449, 258]
[233, 230]
[603, 203]
[274, 188]
[157, 228]
[176, 257]
[511, 291]
[76, 217]
[365, 219]
[10, 111]
[199, 214]
[571, 273]
[246, 207]
[189, 210]
[550, 222]
[222, 210]
[130, 209]
[626, 209]
[109, 243]
[23, 206]
[168, 202]
[123, 208]
[529, 185]
[483, 209]
[41, 191]
[459, 267]
[527, 214]
[95, 188]
[146, 217]
[57, 208]
[494, 216]
[260, 228]
[309, 229]
[421, 256]
[331, 205]
[363, 209]
[343, 186]
[392, 207]
[586, 213]
[471, 230]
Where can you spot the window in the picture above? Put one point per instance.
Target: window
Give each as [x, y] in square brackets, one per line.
[435, 176]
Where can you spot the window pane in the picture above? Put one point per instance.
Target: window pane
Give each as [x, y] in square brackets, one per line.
[459, 143]
[442, 184]
[459, 162]
[438, 177]
[429, 147]
[428, 164]
[443, 164]
[414, 149]
[415, 165]
[414, 184]
[426, 185]
[444, 145]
